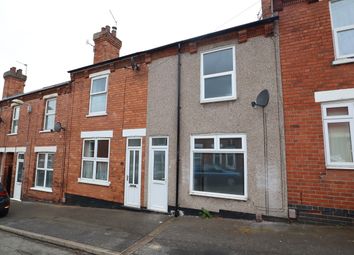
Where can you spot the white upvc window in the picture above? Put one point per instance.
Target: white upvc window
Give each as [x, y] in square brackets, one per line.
[218, 75]
[49, 114]
[98, 95]
[338, 127]
[342, 14]
[219, 166]
[15, 119]
[95, 161]
[44, 171]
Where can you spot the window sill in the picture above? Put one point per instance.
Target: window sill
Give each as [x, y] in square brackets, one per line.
[96, 114]
[333, 167]
[342, 61]
[12, 134]
[45, 131]
[216, 195]
[94, 182]
[215, 100]
[42, 189]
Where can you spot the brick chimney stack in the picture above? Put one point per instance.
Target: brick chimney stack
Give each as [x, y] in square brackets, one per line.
[267, 8]
[107, 45]
[14, 82]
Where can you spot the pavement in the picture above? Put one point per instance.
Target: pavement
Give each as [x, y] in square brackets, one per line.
[117, 231]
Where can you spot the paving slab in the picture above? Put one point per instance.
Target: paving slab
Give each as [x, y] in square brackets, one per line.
[111, 229]
[194, 235]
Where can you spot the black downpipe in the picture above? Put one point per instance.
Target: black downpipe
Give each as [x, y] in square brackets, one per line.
[178, 126]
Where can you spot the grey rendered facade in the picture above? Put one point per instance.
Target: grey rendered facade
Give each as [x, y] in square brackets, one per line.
[257, 68]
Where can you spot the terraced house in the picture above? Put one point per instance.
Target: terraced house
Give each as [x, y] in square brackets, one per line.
[254, 120]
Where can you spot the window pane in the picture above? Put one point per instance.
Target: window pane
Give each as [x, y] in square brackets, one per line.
[98, 103]
[136, 173]
[346, 42]
[134, 142]
[41, 160]
[21, 156]
[102, 148]
[98, 85]
[49, 122]
[337, 111]
[89, 148]
[230, 143]
[342, 13]
[49, 180]
[16, 113]
[14, 128]
[19, 172]
[340, 142]
[218, 86]
[159, 141]
[51, 105]
[87, 171]
[217, 62]
[101, 171]
[204, 143]
[40, 178]
[131, 167]
[159, 165]
[50, 161]
[217, 173]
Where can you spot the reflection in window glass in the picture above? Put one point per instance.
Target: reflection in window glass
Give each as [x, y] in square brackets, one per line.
[230, 143]
[204, 143]
[340, 142]
[159, 166]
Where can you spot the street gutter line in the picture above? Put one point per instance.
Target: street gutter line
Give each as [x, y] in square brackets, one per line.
[59, 242]
[148, 237]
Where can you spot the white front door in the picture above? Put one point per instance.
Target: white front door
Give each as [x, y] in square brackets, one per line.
[133, 173]
[19, 174]
[158, 174]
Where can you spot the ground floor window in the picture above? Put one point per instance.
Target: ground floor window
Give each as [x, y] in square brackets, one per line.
[338, 125]
[44, 170]
[218, 166]
[95, 160]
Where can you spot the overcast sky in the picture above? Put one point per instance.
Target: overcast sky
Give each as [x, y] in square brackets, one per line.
[50, 36]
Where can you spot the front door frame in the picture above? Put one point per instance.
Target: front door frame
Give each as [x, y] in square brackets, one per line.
[18, 160]
[152, 148]
[126, 175]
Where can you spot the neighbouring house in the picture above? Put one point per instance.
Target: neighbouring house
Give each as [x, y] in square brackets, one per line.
[317, 62]
[32, 155]
[181, 127]
[199, 109]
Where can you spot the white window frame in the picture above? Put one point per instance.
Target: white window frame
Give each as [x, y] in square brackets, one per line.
[98, 93]
[335, 32]
[46, 114]
[95, 159]
[164, 148]
[217, 149]
[46, 170]
[337, 119]
[203, 77]
[13, 131]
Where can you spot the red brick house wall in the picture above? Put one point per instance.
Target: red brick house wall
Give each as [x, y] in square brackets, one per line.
[126, 109]
[29, 136]
[307, 53]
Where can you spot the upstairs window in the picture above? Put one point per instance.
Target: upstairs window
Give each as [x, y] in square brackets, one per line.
[218, 78]
[338, 125]
[15, 118]
[49, 115]
[98, 95]
[342, 12]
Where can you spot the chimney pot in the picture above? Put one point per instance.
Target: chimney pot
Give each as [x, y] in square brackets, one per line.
[13, 69]
[107, 45]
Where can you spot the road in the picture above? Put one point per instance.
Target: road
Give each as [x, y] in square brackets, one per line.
[15, 245]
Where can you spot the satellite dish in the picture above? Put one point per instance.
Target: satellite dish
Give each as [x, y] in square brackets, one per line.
[262, 99]
[58, 127]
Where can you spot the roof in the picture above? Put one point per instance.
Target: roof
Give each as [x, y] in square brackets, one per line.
[36, 91]
[175, 44]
